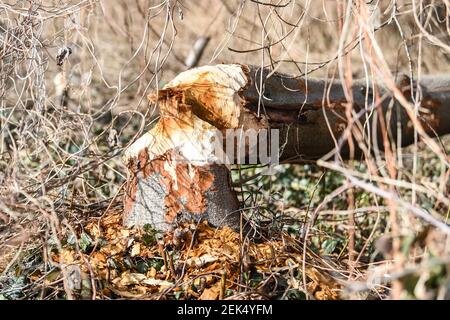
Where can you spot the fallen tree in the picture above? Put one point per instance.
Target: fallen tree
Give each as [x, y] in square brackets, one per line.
[172, 173]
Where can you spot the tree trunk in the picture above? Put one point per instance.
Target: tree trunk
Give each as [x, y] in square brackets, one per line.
[173, 176]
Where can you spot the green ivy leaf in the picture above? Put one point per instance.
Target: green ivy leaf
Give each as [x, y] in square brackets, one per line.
[329, 245]
[85, 242]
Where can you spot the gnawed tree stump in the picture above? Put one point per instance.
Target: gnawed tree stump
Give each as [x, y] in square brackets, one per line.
[174, 174]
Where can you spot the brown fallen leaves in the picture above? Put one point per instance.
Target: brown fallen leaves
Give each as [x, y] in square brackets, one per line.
[192, 262]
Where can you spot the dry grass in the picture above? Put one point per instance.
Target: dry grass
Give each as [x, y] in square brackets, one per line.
[62, 130]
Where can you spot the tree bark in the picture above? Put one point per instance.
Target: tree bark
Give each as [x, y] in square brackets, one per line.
[172, 177]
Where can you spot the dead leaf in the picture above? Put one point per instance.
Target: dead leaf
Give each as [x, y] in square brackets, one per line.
[201, 261]
[211, 293]
[131, 279]
[156, 282]
[152, 272]
[67, 256]
[136, 249]
[94, 230]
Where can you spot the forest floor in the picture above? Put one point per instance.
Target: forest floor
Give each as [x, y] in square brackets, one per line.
[64, 127]
[97, 257]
